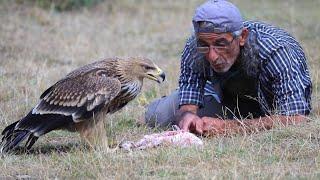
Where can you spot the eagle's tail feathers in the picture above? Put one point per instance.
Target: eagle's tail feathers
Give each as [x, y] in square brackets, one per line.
[32, 127]
[31, 140]
[9, 129]
[13, 140]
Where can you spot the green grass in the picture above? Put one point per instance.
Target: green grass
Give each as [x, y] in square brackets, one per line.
[38, 47]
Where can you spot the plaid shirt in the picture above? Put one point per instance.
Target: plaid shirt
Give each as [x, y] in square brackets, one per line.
[284, 80]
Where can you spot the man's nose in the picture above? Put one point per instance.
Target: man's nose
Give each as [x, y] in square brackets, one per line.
[212, 54]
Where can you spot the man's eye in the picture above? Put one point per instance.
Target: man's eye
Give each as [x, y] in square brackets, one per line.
[221, 44]
[202, 44]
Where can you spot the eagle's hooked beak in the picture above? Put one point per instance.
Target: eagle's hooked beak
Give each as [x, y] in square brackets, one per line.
[162, 76]
[157, 75]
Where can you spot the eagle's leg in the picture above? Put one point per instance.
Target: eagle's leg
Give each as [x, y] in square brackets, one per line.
[93, 133]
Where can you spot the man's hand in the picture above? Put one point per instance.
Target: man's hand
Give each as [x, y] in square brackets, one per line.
[188, 120]
[191, 122]
[206, 125]
[186, 117]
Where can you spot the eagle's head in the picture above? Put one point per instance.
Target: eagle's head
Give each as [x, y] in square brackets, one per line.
[144, 68]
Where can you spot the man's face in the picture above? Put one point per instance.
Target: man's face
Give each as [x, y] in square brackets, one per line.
[221, 50]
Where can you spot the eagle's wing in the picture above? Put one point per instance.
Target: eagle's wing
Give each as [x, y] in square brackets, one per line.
[77, 95]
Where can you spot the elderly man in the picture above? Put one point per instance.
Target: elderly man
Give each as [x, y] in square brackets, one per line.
[236, 76]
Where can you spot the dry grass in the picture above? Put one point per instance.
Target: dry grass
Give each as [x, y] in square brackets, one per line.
[38, 47]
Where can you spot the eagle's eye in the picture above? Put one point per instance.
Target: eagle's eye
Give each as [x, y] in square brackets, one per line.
[146, 67]
[101, 73]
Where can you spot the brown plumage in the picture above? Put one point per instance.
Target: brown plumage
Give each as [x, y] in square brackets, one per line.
[80, 101]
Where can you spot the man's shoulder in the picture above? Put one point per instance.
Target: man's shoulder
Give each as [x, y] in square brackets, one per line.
[263, 27]
[270, 38]
[268, 32]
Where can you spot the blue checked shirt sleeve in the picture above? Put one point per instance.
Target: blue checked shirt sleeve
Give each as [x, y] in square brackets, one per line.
[191, 83]
[291, 94]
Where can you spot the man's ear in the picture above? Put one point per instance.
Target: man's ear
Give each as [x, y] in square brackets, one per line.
[243, 37]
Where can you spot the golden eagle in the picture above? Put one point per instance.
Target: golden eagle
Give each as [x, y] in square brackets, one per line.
[80, 101]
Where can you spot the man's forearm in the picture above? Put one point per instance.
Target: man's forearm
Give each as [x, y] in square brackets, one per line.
[250, 125]
[269, 122]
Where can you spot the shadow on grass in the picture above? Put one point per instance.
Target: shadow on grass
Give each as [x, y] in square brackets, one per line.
[50, 149]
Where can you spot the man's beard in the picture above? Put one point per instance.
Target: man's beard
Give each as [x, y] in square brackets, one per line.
[221, 65]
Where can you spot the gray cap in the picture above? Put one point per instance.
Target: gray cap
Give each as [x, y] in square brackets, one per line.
[224, 16]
